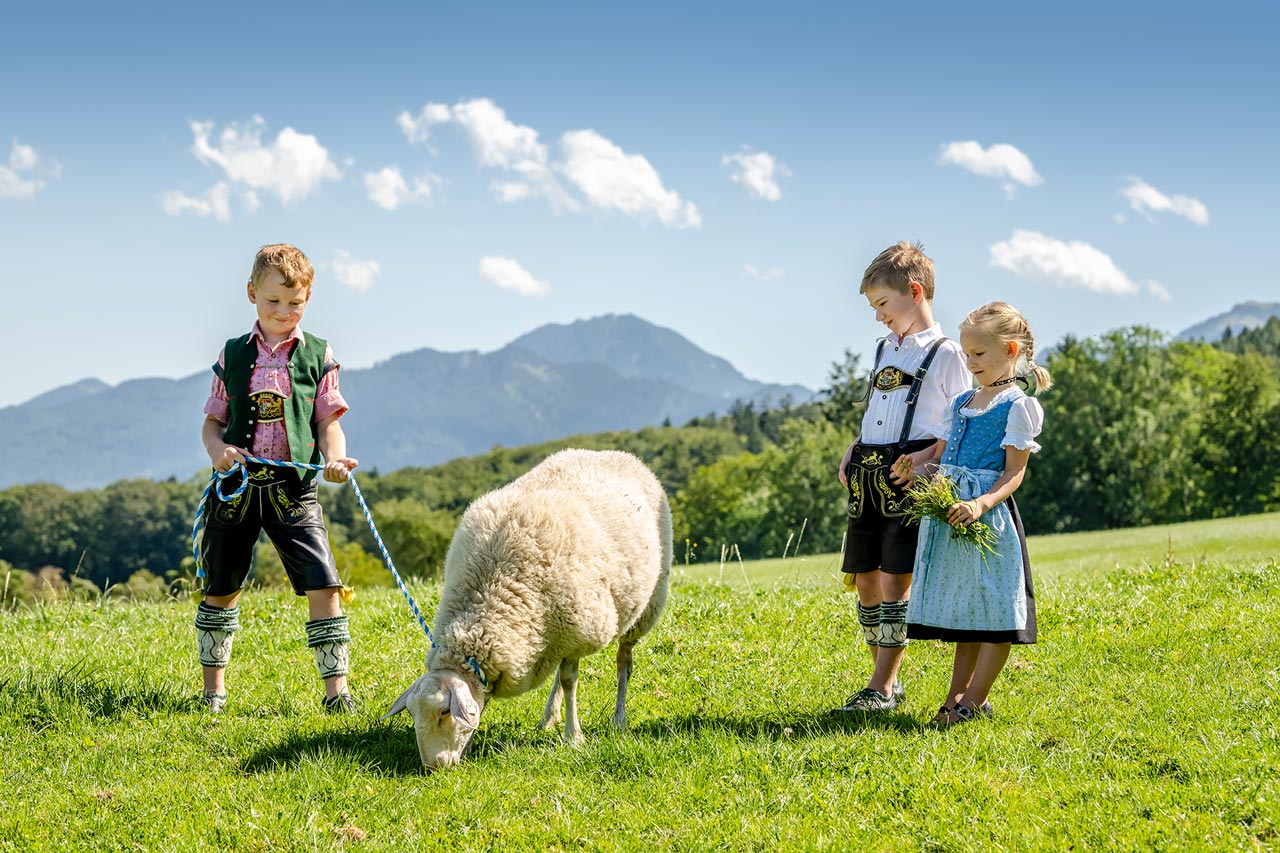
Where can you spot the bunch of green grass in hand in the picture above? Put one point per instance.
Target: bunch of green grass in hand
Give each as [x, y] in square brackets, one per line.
[932, 497]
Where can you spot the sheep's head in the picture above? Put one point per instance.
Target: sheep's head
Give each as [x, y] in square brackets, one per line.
[445, 716]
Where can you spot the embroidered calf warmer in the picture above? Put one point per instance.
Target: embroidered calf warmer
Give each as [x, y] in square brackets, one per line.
[215, 631]
[869, 619]
[893, 624]
[330, 639]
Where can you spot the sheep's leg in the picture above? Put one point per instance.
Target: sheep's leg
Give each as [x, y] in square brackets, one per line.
[569, 684]
[551, 713]
[624, 676]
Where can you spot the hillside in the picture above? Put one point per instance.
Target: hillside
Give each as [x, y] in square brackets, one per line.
[417, 408]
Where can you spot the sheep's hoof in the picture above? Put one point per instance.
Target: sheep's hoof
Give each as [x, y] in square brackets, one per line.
[574, 739]
[548, 723]
[620, 721]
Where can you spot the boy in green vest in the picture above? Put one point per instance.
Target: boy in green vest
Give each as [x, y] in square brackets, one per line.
[275, 396]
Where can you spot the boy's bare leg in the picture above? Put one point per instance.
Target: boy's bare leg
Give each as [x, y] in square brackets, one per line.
[326, 604]
[215, 676]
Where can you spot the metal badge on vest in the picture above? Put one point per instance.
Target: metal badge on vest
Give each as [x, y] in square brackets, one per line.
[307, 366]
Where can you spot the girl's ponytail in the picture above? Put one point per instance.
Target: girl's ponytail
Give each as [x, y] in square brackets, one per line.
[1043, 380]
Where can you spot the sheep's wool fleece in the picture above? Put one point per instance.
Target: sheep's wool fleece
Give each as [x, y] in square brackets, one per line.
[555, 565]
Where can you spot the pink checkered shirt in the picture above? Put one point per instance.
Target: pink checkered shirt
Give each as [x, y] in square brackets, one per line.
[270, 441]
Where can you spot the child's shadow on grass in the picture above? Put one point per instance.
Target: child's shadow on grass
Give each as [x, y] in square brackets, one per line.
[778, 726]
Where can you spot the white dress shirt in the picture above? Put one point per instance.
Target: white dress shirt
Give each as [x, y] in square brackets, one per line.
[947, 377]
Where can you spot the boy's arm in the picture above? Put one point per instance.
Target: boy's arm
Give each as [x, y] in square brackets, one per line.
[844, 463]
[223, 456]
[953, 374]
[333, 445]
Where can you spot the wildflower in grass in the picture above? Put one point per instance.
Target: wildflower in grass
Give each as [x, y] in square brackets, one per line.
[932, 497]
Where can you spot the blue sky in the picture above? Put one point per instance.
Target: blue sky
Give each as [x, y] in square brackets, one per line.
[462, 173]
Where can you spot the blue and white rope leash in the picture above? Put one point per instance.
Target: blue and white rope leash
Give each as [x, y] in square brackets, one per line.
[215, 485]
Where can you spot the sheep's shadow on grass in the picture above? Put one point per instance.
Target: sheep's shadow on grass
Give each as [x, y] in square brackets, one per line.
[387, 747]
[383, 748]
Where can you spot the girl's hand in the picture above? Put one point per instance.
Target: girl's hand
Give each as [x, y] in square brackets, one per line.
[964, 513]
[339, 470]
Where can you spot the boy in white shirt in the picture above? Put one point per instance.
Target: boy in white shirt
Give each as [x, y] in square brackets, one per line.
[917, 372]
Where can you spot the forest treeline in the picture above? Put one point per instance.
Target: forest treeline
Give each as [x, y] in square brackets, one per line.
[1139, 430]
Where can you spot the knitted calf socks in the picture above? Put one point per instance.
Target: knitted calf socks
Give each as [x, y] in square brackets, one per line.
[893, 624]
[330, 639]
[215, 631]
[869, 619]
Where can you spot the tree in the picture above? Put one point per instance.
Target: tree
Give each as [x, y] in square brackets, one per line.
[845, 397]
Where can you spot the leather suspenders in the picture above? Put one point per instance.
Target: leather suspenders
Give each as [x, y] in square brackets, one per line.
[913, 393]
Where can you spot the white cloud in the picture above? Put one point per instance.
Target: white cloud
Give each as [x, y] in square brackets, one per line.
[608, 177]
[1146, 199]
[509, 275]
[1159, 291]
[511, 191]
[757, 172]
[500, 143]
[216, 203]
[418, 129]
[1074, 264]
[23, 158]
[355, 273]
[1000, 161]
[15, 183]
[612, 179]
[292, 166]
[387, 188]
[250, 200]
[768, 276]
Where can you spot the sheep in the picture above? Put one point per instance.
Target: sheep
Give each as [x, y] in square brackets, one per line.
[553, 566]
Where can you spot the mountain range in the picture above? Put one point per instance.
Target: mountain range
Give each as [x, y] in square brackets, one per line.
[1246, 315]
[418, 408]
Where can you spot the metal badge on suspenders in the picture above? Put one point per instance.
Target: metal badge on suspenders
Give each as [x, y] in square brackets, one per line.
[869, 476]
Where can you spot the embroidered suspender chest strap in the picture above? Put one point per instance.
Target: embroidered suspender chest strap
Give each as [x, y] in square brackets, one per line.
[917, 382]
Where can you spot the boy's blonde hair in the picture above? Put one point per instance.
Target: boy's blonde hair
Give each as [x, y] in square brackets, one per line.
[899, 265]
[290, 262]
[1005, 323]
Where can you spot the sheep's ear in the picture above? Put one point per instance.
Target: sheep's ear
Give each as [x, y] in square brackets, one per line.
[463, 707]
[398, 705]
[401, 703]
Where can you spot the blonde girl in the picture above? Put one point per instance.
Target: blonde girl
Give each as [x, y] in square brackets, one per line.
[983, 605]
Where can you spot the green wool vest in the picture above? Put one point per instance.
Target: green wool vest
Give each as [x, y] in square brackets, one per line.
[306, 368]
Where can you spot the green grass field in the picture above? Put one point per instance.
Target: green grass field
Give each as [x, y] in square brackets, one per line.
[1146, 718]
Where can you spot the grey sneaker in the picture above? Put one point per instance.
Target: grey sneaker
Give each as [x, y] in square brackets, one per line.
[870, 701]
[343, 703]
[213, 701]
[899, 695]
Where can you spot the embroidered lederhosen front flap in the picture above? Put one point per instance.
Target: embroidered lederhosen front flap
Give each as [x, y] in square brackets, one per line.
[269, 406]
[869, 480]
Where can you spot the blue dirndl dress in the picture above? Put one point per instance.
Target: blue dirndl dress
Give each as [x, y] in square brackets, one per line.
[956, 595]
